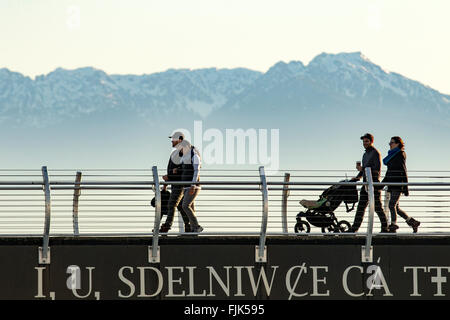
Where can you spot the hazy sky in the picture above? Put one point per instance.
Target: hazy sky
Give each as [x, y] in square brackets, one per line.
[142, 36]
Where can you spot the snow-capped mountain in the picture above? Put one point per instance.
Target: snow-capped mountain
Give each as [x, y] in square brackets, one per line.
[72, 93]
[328, 81]
[357, 77]
[338, 81]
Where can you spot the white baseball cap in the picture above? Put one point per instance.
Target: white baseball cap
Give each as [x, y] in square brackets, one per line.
[177, 135]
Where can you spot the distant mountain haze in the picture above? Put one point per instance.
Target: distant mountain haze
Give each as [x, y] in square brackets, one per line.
[85, 117]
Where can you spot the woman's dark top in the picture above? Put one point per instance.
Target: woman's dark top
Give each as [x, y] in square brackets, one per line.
[397, 173]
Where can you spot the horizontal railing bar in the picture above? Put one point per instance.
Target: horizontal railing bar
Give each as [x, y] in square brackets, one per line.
[21, 183]
[293, 183]
[205, 169]
[20, 188]
[148, 200]
[427, 218]
[148, 234]
[143, 188]
[218, 176]
[207, 188]
[410, 189]
[104, 223]
[205, 211]
[69, 218]
[203, 195]
[290, 183]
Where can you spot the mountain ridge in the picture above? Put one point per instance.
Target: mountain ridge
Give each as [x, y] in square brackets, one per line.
[328, 80]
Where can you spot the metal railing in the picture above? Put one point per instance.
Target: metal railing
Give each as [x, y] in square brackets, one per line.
[260, 203]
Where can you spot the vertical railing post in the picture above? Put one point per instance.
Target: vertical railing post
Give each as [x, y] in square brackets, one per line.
[284, 203]
[154, 249]
[44, 251]
[180, 223]
[261, 252]
[367, 250]
[76, 196]
[387, 197]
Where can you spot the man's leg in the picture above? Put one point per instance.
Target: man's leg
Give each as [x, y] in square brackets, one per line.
[188, 207]
[362, 205]
[174, 200]
[187, 226]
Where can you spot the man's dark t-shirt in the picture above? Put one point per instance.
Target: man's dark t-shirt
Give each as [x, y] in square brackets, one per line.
[371, 159]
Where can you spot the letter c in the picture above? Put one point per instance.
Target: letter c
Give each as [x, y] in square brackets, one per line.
[345, 283]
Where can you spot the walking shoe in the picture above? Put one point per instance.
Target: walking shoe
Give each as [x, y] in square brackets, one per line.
[164, 228]
[393, 228]
[384, 230]
[197, 230]
[413, 224]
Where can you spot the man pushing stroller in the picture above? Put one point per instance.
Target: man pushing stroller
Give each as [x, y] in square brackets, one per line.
[371, 159]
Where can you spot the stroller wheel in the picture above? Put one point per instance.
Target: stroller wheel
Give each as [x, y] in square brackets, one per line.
[343, 226]
[302, 226]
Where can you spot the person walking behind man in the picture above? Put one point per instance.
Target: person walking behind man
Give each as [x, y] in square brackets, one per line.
[174, 174]
[190, 172]
[396, 163]
[371, 159]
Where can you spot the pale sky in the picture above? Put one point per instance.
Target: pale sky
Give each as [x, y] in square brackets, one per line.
[145, 36]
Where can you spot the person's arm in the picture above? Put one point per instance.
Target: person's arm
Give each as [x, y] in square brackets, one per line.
[405, 171]
[196, 165]
[375, 163]
[359, 175]
[404, 174]
[196, 174]
[196, 162]
[166, 176]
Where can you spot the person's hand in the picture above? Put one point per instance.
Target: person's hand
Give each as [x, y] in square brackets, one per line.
[165, 178]
[174, 171]
[191, 190]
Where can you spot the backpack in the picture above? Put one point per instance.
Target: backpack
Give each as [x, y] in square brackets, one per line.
[165, 195]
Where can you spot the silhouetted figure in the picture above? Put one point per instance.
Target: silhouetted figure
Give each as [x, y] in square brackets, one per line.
[396, 163]
[371, 159]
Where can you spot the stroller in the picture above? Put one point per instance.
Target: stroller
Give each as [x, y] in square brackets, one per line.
[320, 213]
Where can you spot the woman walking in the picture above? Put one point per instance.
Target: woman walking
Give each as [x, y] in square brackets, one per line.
[396, 163]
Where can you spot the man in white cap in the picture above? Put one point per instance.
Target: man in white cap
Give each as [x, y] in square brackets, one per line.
[174, 174]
